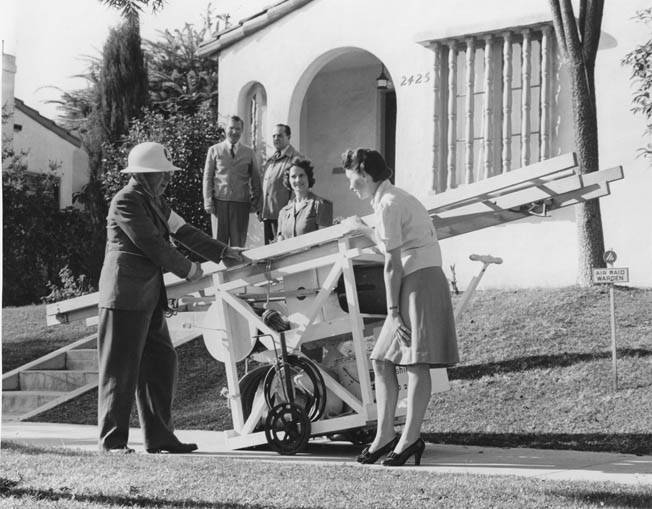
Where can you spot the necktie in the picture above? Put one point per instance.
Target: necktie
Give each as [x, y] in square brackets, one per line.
[232, 150]
[277, 154]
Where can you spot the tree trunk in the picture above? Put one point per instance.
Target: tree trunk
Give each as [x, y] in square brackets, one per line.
[589, 220]
[578, 43]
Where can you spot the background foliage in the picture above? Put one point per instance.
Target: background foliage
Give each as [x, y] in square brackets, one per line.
[59, 254]
[640, 62]
[187, 137]
[123, 80]
[40, 239]
[179, 81]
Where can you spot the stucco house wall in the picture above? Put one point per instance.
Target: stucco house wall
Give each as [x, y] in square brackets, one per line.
[44, 141]
[44, 147]
[331, 107]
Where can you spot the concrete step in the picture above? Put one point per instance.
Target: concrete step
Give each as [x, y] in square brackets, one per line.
[15, 403]
[54, 362]
[59, 376]
[55, 380]
[82, 359]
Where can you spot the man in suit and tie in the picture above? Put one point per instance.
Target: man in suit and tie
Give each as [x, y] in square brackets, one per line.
[231, 186]
[275, 194]
[136, 356]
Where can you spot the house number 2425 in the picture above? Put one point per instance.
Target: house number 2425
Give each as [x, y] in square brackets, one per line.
[415, 79]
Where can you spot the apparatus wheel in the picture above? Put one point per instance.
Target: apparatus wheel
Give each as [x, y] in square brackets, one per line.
[248, 386]
[308, 386]
[319, 385]
[287, 428]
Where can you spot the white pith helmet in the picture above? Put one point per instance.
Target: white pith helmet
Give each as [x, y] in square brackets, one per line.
[149, 157]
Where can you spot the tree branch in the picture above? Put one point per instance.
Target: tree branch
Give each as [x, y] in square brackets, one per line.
[559, 27]
[592, 30]
[581, 22]
[573, 42]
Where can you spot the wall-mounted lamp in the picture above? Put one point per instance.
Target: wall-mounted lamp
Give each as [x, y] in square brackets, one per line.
[382, 81]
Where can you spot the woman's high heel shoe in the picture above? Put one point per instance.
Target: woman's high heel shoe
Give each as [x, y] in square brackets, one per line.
[367, 457]
[397, 459]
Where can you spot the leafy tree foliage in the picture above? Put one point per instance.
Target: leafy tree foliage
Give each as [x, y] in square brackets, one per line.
[80, 113]
[77, 106]
[39, 238]
[179, 81]
[123, 80]
[108, 116]
[640, 62]
[187, 137]
[70, 288]
[131, 9]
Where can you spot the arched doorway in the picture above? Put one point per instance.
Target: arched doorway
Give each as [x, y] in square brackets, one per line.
[342, 108]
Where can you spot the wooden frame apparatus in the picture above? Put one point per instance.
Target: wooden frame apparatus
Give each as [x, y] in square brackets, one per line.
[301, 277]
[314, 315]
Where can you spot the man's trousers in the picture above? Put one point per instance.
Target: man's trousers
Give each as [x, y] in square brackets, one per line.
[136, 360]
[230, 222]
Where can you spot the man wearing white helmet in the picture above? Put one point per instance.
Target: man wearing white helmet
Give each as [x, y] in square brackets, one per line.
[136, 356]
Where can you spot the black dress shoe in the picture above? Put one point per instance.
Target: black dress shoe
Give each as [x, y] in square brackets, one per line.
[117, 450]
[179, 448]
[366, 457]
[398, 459]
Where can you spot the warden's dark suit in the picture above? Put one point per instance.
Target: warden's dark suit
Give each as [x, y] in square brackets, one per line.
[135, 350]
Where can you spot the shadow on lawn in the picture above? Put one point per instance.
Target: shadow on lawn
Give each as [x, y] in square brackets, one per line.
[605, 498]
[36, 450]
[518, 364]
[11, 489]
[626, 443]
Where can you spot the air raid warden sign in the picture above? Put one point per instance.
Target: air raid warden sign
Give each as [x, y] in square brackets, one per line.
[611, 275]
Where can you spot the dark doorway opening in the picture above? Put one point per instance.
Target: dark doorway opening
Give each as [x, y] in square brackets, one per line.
[388, 120]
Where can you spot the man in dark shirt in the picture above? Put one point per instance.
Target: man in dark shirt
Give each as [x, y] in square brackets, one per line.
[275, 194]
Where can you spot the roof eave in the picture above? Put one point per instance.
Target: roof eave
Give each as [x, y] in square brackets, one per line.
[47, 123]
[249, 26]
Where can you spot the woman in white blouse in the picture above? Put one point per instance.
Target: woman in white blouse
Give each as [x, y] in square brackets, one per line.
[419, 331]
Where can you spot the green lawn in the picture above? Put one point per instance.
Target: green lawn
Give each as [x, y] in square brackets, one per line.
[75, 480]
[536, 372]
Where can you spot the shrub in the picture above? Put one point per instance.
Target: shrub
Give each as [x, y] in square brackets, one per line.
[71, 287]
[187, 137]
[638, 60]
[38, 238]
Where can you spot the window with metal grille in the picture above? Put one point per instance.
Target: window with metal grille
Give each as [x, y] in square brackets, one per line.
[493, 102]
[255, 119]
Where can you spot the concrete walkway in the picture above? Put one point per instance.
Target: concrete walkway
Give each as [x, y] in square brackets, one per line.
[534, 463]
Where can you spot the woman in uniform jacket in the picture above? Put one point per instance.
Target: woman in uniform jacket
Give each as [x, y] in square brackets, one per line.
[136, 356]
[305, 212]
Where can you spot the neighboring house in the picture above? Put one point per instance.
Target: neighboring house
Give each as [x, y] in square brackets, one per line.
[44, 141]
[318, 65]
